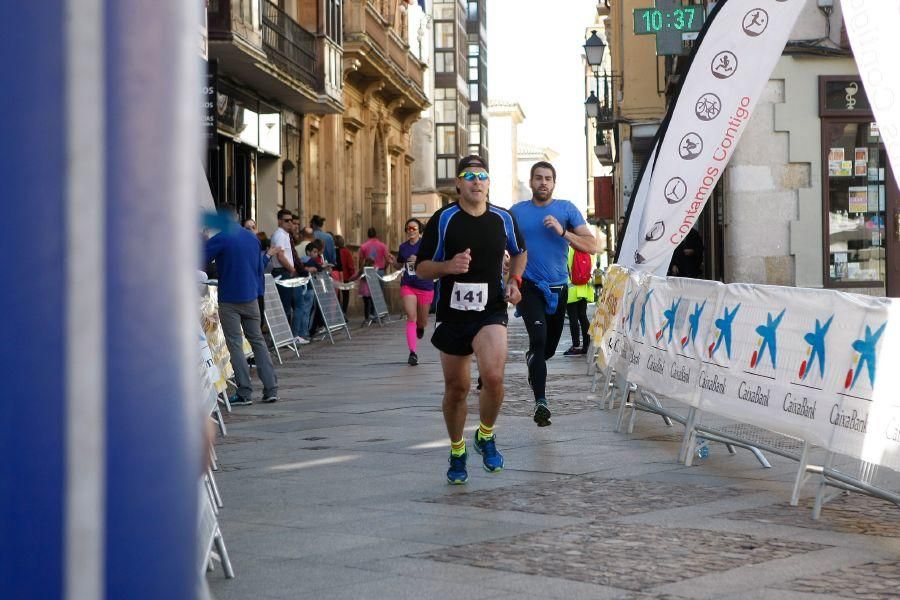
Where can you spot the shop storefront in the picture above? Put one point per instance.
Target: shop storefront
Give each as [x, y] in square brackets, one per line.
[861, 224]
[246, 150]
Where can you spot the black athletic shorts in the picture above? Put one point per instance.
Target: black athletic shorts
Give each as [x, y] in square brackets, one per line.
[456, 338]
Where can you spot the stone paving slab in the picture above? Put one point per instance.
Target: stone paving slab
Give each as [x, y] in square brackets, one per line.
[870, 581]
[851, 513]
[592, 497]
[632, 557]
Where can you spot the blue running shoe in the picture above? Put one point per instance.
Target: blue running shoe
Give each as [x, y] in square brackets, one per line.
[487, 448]
[457, 474]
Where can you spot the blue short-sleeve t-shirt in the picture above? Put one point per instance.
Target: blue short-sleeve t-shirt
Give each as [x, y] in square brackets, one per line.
[547, 250]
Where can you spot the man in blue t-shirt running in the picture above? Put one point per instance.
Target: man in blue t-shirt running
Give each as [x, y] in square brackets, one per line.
[549, 227]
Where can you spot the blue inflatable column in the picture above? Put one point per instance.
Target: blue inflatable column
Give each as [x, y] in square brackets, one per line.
[99, 434]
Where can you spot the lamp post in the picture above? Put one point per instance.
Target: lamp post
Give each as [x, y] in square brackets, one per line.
[592, 106]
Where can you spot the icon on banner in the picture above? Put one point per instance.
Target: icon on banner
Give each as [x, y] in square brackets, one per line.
[639, 259]
[755, 22]
[724, 64]
[676, 190]
[691, 146]
[694, 321]
[767, 340]
[724, 335]
[865, 349]
[630, 319]
[669, 320]
[655, 234]
[644, 313]
[708, 107]
[816, 350]
[624, 300]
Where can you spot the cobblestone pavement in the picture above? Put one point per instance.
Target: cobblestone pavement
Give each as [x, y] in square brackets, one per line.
[602, 498]
[852, 513]
[631, 557]
[338, 492]
[870, 581]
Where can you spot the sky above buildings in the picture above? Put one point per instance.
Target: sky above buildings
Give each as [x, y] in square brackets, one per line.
[534, 58]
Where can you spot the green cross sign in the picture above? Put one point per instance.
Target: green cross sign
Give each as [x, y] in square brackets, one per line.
[668, 20]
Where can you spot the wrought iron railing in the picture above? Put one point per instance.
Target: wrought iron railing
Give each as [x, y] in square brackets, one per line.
[288, 44]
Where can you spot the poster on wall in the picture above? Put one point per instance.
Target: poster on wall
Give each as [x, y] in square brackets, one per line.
[860, 162]
[835, 158]
[872, 193]
[859, 199]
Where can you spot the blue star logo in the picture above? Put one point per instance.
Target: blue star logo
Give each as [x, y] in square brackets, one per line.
[631, 312]
[767, 333]
[724, 327]
[866, 349]
[694, 321]
[669, 316]
[816, 341]
[644, 313]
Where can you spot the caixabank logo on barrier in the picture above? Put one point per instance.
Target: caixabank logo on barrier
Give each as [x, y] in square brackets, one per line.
[668, 322]
[815, 352]
[723, 326]
[693, 324]
[864, 358]
[768, 340]
[643, 322]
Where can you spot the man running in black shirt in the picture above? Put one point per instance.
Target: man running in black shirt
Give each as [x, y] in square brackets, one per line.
[464, 245]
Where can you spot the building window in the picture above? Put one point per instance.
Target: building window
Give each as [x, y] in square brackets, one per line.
[444, 9]
[445, 168]
[333, 18]
[474, 130]
[859, 195]
[443, 35]
[446, 139]
[445, 108]
[473, 92]
[473, 10]
[855, 199]
[443, 62]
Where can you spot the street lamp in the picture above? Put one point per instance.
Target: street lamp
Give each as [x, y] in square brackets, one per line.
[593, 50]
[592, 106]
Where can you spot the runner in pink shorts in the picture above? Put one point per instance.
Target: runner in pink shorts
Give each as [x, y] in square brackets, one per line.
[416, 293]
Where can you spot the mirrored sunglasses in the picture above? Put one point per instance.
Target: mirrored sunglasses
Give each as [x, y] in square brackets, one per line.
[472, 176]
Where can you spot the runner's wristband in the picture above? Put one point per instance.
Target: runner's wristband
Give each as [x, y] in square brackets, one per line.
[517, 279]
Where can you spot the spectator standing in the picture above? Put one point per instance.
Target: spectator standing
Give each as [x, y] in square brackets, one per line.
[305, 236]
[580, 295]
[376, 250]
[285, 267]
[373, 253]
[240, 266]
[345, 264]
[329, 254]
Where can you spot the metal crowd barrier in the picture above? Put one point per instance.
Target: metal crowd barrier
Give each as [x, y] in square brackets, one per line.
[836, 474]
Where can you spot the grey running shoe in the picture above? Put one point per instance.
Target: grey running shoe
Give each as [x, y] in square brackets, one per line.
[541, 413]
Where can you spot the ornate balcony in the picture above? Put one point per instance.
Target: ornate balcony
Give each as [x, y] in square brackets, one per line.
[260, 45]
[288, 45]
[383, 56]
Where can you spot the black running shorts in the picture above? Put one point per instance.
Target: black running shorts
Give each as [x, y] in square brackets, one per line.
[456, 338]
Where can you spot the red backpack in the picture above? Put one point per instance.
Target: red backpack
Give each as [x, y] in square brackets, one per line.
[582, 268]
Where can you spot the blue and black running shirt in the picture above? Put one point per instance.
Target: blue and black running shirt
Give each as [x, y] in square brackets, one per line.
[450, 231]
